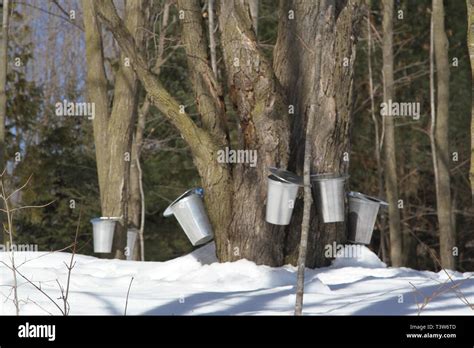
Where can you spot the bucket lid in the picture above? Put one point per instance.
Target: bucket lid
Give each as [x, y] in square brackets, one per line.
[328, 176]
[286, 176]
[366, 198]
[105, 218]
[196, 190]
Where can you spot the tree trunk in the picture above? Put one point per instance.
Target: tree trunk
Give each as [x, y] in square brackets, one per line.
[3, 81]
[264, 128]
[212, 38]
[235, 193]
[137, 200]
[322, 40]
[215, 176]
[136, 217]
[391, 184]
[3, 98]
[447, 235]
[112, 130]
[470, 39]
[377, 148]
[253, 8]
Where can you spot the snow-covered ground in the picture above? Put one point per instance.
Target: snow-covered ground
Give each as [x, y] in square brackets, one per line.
[197, 284]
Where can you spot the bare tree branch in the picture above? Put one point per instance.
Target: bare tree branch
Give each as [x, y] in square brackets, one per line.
[200, 141]
[207, 92]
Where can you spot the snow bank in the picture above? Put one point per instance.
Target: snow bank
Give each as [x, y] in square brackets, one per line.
[357, 256]
[357, 284]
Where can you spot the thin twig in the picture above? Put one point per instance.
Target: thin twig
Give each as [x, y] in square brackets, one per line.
[308, 201]
[12, 251]
[41, 307]
[142, 211]
[36, 286]
[460, 294]
[71, 265]
[32, 206]
[128, 293]
[67, 19]
[21, 187]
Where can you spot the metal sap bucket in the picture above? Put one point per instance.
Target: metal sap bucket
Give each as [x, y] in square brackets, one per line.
[281, 194]
[103, 233]
[329, 195]
[190, 212]
[132, 234]
[363, 212]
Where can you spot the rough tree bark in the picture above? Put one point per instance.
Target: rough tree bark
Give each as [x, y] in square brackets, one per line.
[235, 207]
[209, 100]
[3, 96]
[264, 128]
[235, 194]
[470, 39]
[322, 38]
[253, 8]
[391, 184]
[377, 147]
[3, 80]
[207, 93]
[215, 176]
[447, 235]
[112, 128]
[212, 38]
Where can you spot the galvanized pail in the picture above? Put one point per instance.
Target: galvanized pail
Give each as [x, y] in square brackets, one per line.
[363, 212]
[103, 234]
[281, 194]
[190, 212]
[328, 194]
[132, 234]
